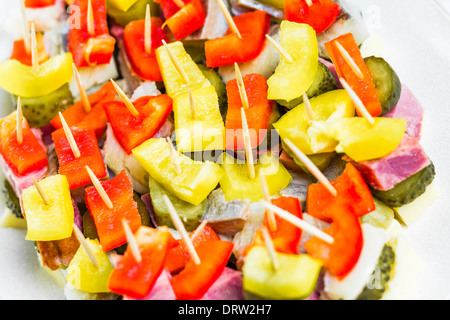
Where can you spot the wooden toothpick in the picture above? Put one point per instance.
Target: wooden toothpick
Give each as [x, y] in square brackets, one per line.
[248, 147]
[85, 245]
[26, 27]
[299, 223]
[69, 136]
[174, 157]
[308, 108]
[176, 62]
[148, 31]
[19, 122]
[180, 228]
[349, 60]
[82, 90]
[179, 3]
[280, 49]
[270, 216]
[241, 87]
[90, 20]
[270, 248]
[311, 167]
[192, 105]
[128, 104]
[199, 230]
[358, 103]
[98, 186]
[229, 18]
[131, 239]
[34, 50]
[41, 192]
[309, 3]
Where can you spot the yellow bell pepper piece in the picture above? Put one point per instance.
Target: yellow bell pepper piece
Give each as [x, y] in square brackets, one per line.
[173, 81]
[83, 275]
[122, 5]
[296, 277]
[21, 80]
[193, 184]
[207, 131]
[53, 221]
[294, 125]
[236, 183]
[357, 138]
[292, 79]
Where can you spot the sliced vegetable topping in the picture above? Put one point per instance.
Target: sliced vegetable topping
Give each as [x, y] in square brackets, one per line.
[90, 155]
[34, 4]
[136, 279]
[108, 221]
[258, 113]
[319, 14]
[50, 219]
[230, 49]
[350, 65]
[90, 47]
[187, 20]
[144, 64]
[193, 282]
[21, 54]
[132, 131]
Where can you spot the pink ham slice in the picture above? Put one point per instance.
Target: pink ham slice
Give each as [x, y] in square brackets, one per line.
[385, 173]
[408, 108]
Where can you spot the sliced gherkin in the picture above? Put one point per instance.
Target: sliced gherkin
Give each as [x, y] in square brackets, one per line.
[408, 190]
[40, 110]
[11, 200]
[135, 12]
[380, 277]
[324, 82]
[217, 83]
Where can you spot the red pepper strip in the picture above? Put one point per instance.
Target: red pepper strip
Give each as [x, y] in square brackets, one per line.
[91, 156]
[90, 50]
[364, 88]
[179, 255]
[169, 7]
[194, 281]
[132, 131]
[187, 20]
[136, 279]
[341, 256]
[34, 4]
[20, 53]
[94, 120]
[108, 222]
[352, 191]
[21, 158]
[229, 49]
[258, 114]
[320, 15]
[144, 64]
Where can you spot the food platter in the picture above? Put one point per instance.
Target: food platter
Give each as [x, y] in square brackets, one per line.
[419, 52]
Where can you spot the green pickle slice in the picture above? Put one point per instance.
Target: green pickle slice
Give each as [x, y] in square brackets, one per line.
[40, 110]
[408, 190]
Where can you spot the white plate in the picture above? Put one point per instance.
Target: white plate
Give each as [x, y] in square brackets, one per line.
[416, 43]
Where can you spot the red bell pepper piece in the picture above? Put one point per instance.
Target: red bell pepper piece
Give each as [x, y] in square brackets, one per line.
[74, 168]
[178, 256]
[341, 256]
[144, 64]
[94, 120]
[258, 114]
[194, 281]
[320, 15]
[229, 49]
[22, 158]
[34, 4]
[352, 191]
[364, 88]
[21, 54]
[90, 50]
[108, 222]
[136, 279]
[169, 7]
[132, 131]
[187, 20]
